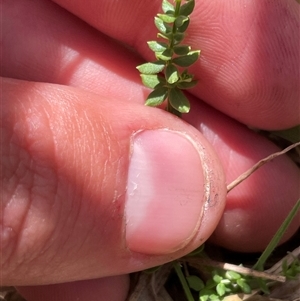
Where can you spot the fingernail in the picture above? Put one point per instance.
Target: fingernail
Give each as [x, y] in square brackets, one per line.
[165, 192]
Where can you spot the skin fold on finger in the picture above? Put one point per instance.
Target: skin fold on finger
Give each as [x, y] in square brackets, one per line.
[109, 288]
[250, 56]
[65, 166]
[256, 208]
[45, 43]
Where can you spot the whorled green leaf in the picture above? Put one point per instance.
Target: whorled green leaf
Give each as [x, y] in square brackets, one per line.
[187, 8]
[187, 60]
[181, 49]
[180, 20]
[162, 26]
[157, 46]
[167, 7]
[152, 80]
[195, 283]
[172, 74]
[184, 26]
[151, 68]
[165, 55]
[187, 85]
[166, 18]
[179, 101]
[157, 97]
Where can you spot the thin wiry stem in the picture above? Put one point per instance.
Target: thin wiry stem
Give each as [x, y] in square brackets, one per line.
[259, 164]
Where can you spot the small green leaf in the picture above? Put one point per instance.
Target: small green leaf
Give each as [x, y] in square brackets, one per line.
[244, 286]
[167, 7]
[231, 275]
[165, 55]
[187, 60]
[156, 97]
[162, 26]
[179, 101]
[166, 18]
[157, 46]
[172, 74]
[178, 37]
[184, 26]
[187, 85]
[210, 284]
[221, 290]
[183, 281]
[187, 8]
[152, 81]
[226, 281]
[195, 283]
[180, 20]
[181, 49]
[207, 295]
[151, 68]
[217, 278]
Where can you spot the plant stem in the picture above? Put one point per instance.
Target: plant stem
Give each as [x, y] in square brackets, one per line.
[178, 3]
[259, 265]
[183, 281]
[176, 13]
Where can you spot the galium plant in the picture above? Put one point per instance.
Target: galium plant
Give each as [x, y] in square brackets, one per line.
[172, 58]
[224, 282]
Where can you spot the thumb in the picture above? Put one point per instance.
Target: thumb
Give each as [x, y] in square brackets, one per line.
[94, 188]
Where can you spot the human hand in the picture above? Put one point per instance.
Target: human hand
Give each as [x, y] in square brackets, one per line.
[66, 147]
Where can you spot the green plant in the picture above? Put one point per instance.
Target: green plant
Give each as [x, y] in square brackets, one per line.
[291, 271]
[171, 57]
[224, 282]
